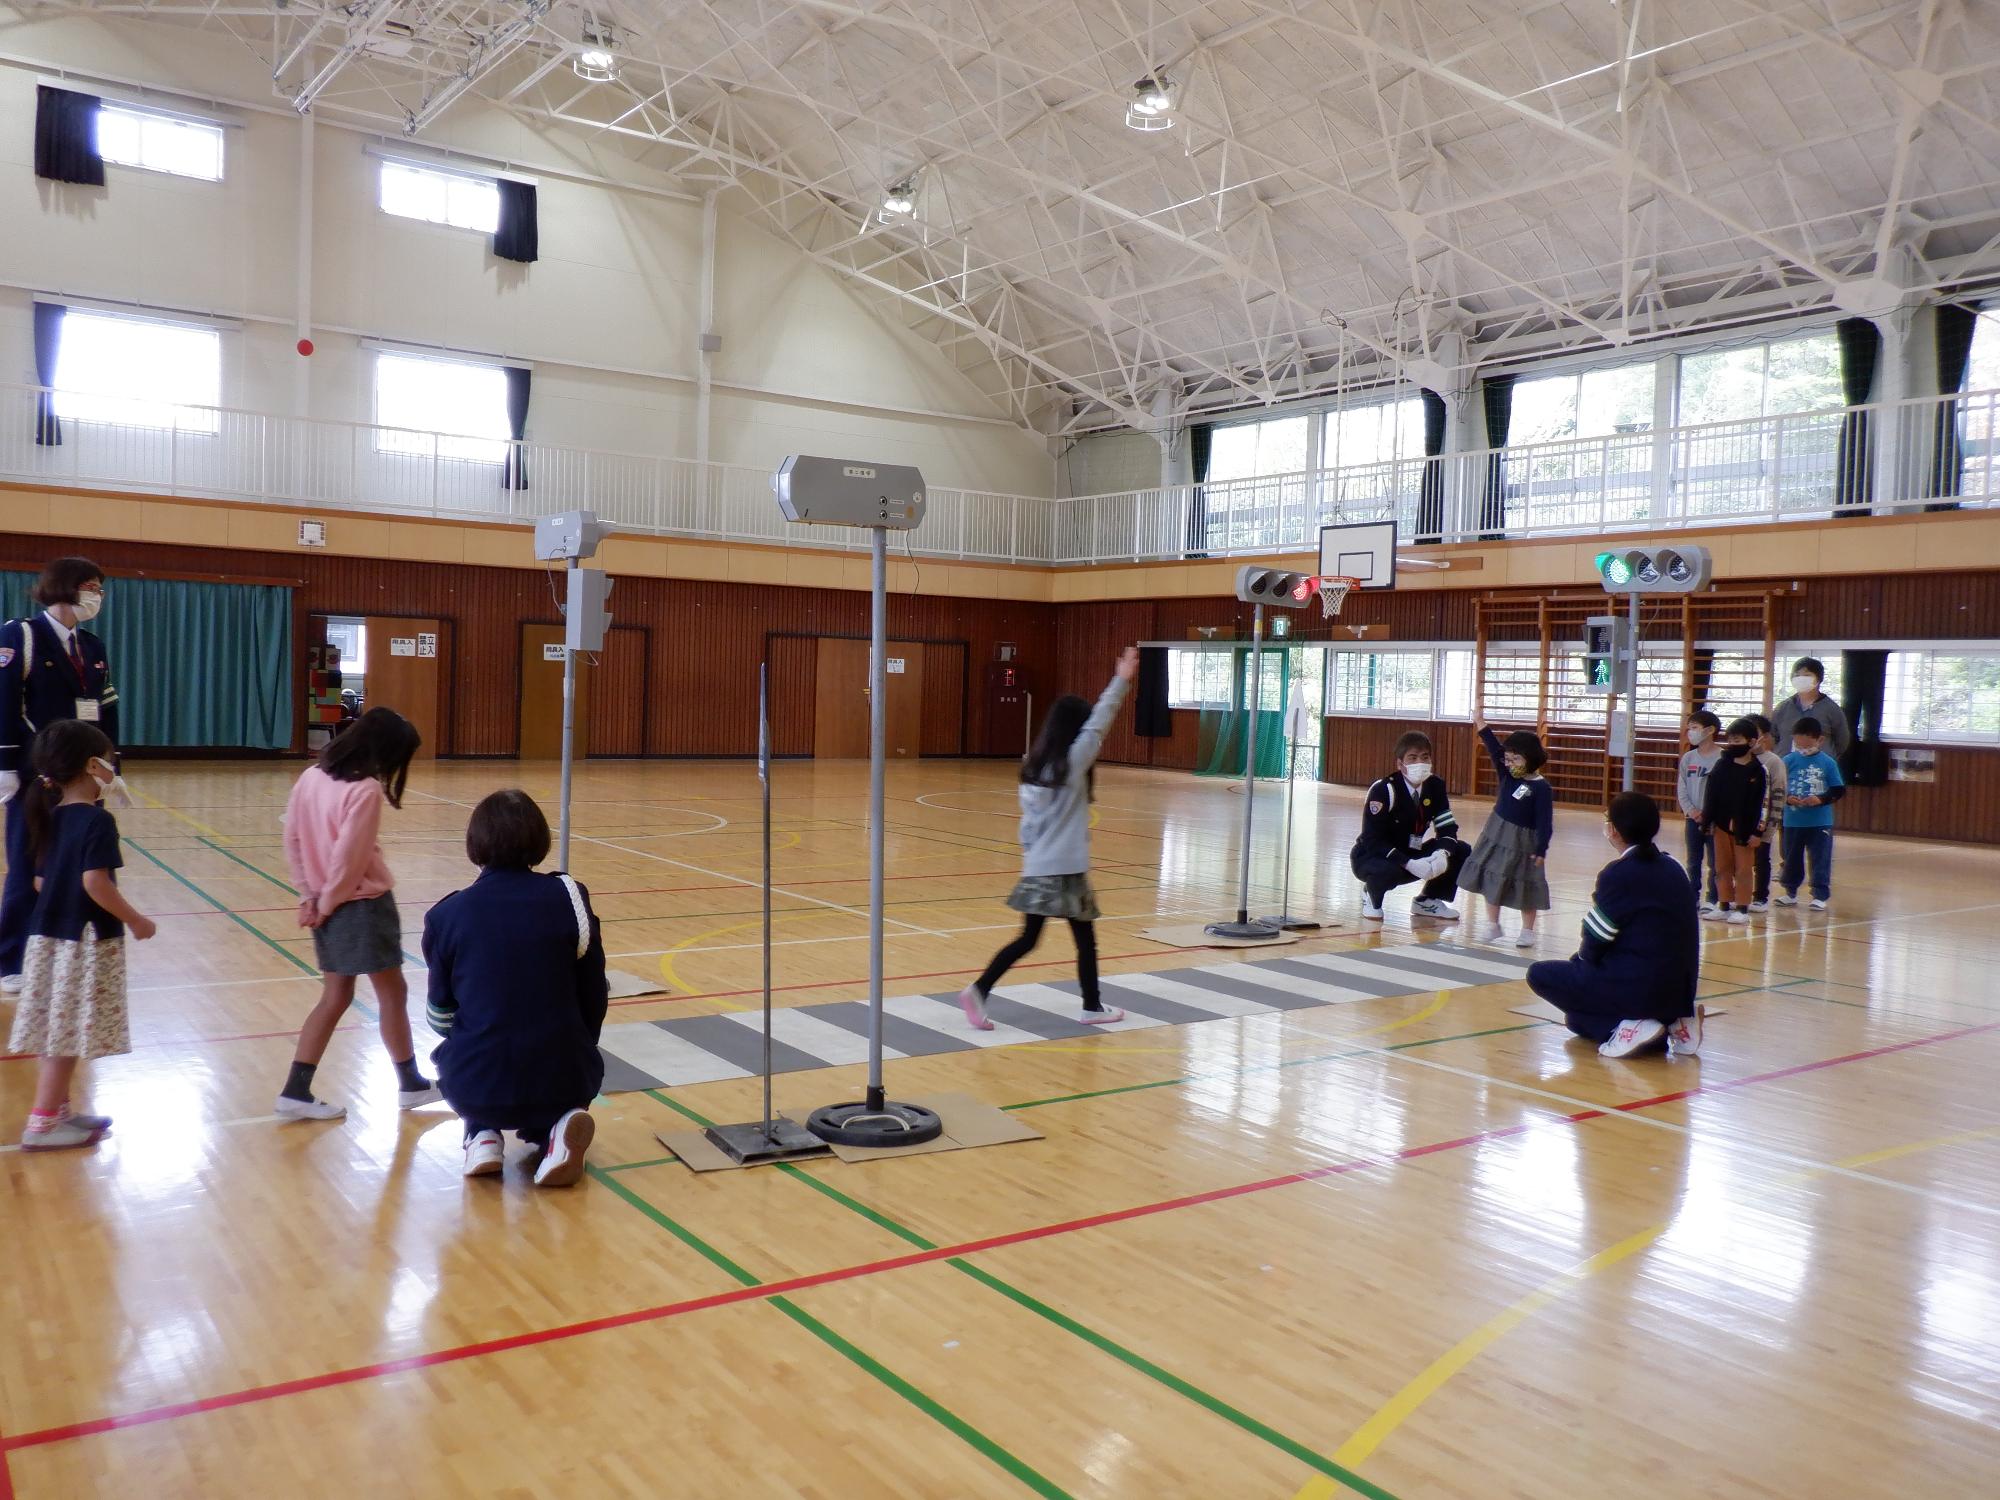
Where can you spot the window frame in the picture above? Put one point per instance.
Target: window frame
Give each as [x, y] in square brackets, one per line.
[1929, 653]
[173, 411]
[444, 439]
[385, 162]
[144, 112]
[1437, 651]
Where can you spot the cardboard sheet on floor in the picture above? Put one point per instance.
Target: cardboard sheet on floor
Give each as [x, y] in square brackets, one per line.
[1196, 935]
[968, 1122]
[625, 986]
[1541, 1010]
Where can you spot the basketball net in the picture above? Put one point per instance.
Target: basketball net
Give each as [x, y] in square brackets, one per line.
[1332, 590]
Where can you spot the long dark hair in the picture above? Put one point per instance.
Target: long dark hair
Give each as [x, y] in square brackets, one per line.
[378, 746]
[1637, 819]
[61, 753]
[1047, 763]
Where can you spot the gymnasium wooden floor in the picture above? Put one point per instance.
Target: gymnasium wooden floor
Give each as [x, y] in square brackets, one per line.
[1419, 1246]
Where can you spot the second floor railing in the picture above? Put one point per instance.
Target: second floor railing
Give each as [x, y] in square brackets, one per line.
[1901, 456]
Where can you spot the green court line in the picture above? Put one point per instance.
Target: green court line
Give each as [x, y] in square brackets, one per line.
[266, 939]
[1131, 1358]
[633, 1166]
[928, 1405]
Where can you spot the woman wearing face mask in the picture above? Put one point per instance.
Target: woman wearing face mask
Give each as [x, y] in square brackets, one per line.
[1632, 981]
[1807, 701]
[50, 669]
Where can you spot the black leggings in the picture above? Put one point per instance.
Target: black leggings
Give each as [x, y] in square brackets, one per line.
[1085, 934]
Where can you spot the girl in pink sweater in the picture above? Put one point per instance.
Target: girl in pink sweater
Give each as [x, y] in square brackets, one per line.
[344, 887]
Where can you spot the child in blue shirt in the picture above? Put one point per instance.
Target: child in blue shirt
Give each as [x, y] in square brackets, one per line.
[1812, 786]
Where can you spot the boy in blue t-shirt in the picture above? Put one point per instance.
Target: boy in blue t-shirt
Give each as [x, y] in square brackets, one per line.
[1812, 786]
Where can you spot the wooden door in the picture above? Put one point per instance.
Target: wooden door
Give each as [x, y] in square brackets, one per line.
[840, 717]
[541, 695]
[403, 658]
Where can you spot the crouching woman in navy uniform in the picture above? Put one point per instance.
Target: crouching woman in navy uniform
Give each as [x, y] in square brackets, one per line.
[1633, 980]
[50, 669]
[1408, 833]
[518, 991]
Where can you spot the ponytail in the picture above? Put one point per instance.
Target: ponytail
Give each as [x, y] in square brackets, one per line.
[43, 795]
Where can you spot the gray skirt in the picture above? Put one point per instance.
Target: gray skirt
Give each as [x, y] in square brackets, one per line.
[1068, 897]
[362, 937]
[1503, 868]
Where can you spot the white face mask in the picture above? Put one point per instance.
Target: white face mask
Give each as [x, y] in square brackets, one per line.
[1418, 773]
[102, 770]
[87, 605]
[1804, 683]
[1697, 736]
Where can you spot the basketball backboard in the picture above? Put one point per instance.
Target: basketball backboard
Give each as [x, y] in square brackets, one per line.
[1362, 550]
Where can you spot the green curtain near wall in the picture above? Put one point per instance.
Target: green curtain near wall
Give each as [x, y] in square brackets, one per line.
[201, 665]
[1225, 733]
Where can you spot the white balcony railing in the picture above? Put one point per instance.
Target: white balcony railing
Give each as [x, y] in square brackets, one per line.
[1780, 468]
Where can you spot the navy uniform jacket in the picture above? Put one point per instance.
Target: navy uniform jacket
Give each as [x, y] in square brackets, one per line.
[39, 685]
[1643, 934]
[502, 957]
[1394, 816]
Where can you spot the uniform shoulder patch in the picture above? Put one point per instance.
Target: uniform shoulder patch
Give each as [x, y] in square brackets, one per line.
[1374, 807]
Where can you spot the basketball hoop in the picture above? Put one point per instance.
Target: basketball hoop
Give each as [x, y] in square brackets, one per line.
[1332, 591]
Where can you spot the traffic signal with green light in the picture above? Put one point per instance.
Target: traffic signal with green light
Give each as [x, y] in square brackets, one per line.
[1607, 640]
[1679, 569]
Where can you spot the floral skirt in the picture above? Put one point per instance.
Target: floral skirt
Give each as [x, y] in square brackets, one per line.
[1066, 896]
[72, 998]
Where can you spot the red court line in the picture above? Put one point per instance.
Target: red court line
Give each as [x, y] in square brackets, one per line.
[257, 1394]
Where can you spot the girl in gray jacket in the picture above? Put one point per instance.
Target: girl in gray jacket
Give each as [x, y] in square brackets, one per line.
[1055, 843]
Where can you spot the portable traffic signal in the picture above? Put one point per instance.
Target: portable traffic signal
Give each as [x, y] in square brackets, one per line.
[1274, 586]
[586, 619]
[1606, 639]
[1679, 569]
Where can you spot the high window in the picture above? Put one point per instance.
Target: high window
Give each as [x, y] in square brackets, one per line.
[138, 372]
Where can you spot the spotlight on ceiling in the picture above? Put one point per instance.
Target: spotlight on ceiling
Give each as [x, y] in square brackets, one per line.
[596, 60]
[1152, 106]
[901, 199]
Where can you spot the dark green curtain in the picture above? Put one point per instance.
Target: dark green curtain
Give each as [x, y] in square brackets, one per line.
[1498, 394]
[1430, 497]
[1864, 680]
[1153, 716]
[1955, 327]
[198, 665]
[1201, 442]
[1854, 464]
[1225, 733]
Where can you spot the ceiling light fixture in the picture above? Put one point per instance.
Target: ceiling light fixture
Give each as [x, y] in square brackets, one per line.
[901, 199]
[1152, 106]
[597, 60]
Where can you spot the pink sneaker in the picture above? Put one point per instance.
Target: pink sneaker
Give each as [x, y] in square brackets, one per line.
[974, 1005]
[1101, 1017]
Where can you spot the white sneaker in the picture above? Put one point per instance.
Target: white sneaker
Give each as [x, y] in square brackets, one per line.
[1738, 917]
[1684, 1036]
[1369, 909]
[974, 1005]
[563, 1164]
[64, 1135]
[418, 1098]
[1630, 1037]
[11, 984]
[1709, 908]
[1760, 906]
[1436, 910]
[485, 1154]
[1821, 903]
[1714, 914]
[307, 1109]
[1788, 899]
[1525, 938]
[1493, 933]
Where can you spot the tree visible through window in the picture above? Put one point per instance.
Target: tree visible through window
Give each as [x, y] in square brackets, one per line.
[1790, 375]
[1583, 404]
[1257, 450]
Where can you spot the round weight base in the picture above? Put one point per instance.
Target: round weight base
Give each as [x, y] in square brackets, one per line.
[1241, 930]
[889, 1124]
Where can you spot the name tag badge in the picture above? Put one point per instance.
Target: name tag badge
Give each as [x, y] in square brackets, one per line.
[86, 710]
[1521, 791]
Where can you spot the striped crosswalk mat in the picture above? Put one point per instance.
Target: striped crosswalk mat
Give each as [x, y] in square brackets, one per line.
[704, 1049]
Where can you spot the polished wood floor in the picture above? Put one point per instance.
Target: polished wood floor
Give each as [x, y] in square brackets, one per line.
[1419, 1246]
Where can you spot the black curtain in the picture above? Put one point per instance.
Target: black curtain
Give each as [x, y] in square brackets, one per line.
[514, 472]
[1153, 718]
[1864, 678]
[518, 234]
[48, 340]
[66, 137]
[1499, 398]
[1430, 497]
[1854, 465]
[1201, 442]
[1955, 327]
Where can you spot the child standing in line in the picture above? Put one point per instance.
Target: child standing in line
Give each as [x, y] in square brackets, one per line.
[1704, 734]
[1056, 779]
[331, 823]
[1774, 807]
[1733, 812]
[1812, 786]
[73, 975]
[1508, 864]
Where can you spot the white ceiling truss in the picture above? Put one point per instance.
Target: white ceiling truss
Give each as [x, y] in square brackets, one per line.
[1347, 181]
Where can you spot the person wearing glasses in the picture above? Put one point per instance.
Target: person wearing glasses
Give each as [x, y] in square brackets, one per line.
[51, 669]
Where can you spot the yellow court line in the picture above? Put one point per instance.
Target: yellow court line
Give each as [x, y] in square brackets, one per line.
[174, 812]
[1372, 1433]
